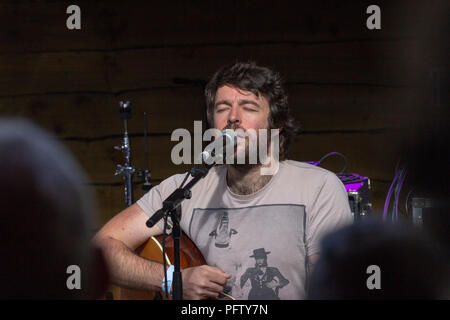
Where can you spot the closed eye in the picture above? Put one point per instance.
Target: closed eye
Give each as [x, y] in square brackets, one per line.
[219, 110]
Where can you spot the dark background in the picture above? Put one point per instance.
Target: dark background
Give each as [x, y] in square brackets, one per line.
[365, 93]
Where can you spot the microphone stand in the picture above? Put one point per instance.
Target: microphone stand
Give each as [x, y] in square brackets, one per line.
[127, 170]
[172, 208]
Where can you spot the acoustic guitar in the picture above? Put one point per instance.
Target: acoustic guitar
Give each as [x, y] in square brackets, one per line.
[190, 256]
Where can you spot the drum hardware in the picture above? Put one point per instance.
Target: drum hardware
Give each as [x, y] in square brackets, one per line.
[127, 170]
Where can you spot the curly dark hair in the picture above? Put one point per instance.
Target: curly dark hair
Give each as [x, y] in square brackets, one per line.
[258, 80]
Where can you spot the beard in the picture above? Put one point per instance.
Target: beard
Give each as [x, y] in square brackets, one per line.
[247, 154]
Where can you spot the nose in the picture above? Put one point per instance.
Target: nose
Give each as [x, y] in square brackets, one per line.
[234, 117]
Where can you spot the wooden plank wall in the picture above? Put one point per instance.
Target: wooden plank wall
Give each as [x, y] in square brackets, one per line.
[356, 91]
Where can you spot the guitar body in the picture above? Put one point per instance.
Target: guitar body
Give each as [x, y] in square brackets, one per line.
[190, 256]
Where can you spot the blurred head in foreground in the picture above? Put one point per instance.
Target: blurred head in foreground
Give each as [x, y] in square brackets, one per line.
[411, 265]
[47, 218]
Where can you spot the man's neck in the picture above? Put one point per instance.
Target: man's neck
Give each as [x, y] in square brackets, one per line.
[246, 179]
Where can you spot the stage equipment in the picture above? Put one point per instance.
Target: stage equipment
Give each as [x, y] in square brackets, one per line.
[429, 211]
[172, 206]
[357, 187]
[358, 191]
[127, 170]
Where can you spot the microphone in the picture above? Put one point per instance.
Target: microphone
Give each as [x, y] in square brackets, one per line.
[215, 151]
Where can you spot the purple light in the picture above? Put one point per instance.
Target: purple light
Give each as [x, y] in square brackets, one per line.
[389, 195]
[402, 178]
[314, 163]
[353, 186]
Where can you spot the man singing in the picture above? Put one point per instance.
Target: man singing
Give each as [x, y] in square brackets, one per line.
[239, 206]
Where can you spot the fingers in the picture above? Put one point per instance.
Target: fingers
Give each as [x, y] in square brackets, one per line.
[215, 275]
[214, 287]
[206, 294]
[204, 282]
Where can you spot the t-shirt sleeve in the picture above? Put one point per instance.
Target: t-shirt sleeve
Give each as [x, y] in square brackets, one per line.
[152, 200]
[329, 211]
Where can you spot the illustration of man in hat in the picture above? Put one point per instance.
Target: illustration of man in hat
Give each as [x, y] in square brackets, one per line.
[265, 281]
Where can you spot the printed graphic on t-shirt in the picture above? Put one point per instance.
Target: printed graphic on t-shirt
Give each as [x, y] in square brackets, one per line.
[222, 234]
[265, 281]
[262, 247]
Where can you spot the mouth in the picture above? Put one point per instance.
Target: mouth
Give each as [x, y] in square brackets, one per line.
[239, 132]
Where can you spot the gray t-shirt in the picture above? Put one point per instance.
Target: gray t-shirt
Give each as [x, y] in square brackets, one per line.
[261, 239]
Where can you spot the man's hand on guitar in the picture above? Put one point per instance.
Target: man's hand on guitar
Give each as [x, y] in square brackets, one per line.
[203, 282]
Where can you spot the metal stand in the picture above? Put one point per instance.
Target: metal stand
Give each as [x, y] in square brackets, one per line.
[177, 282]
[127, 170]
[172, 208]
